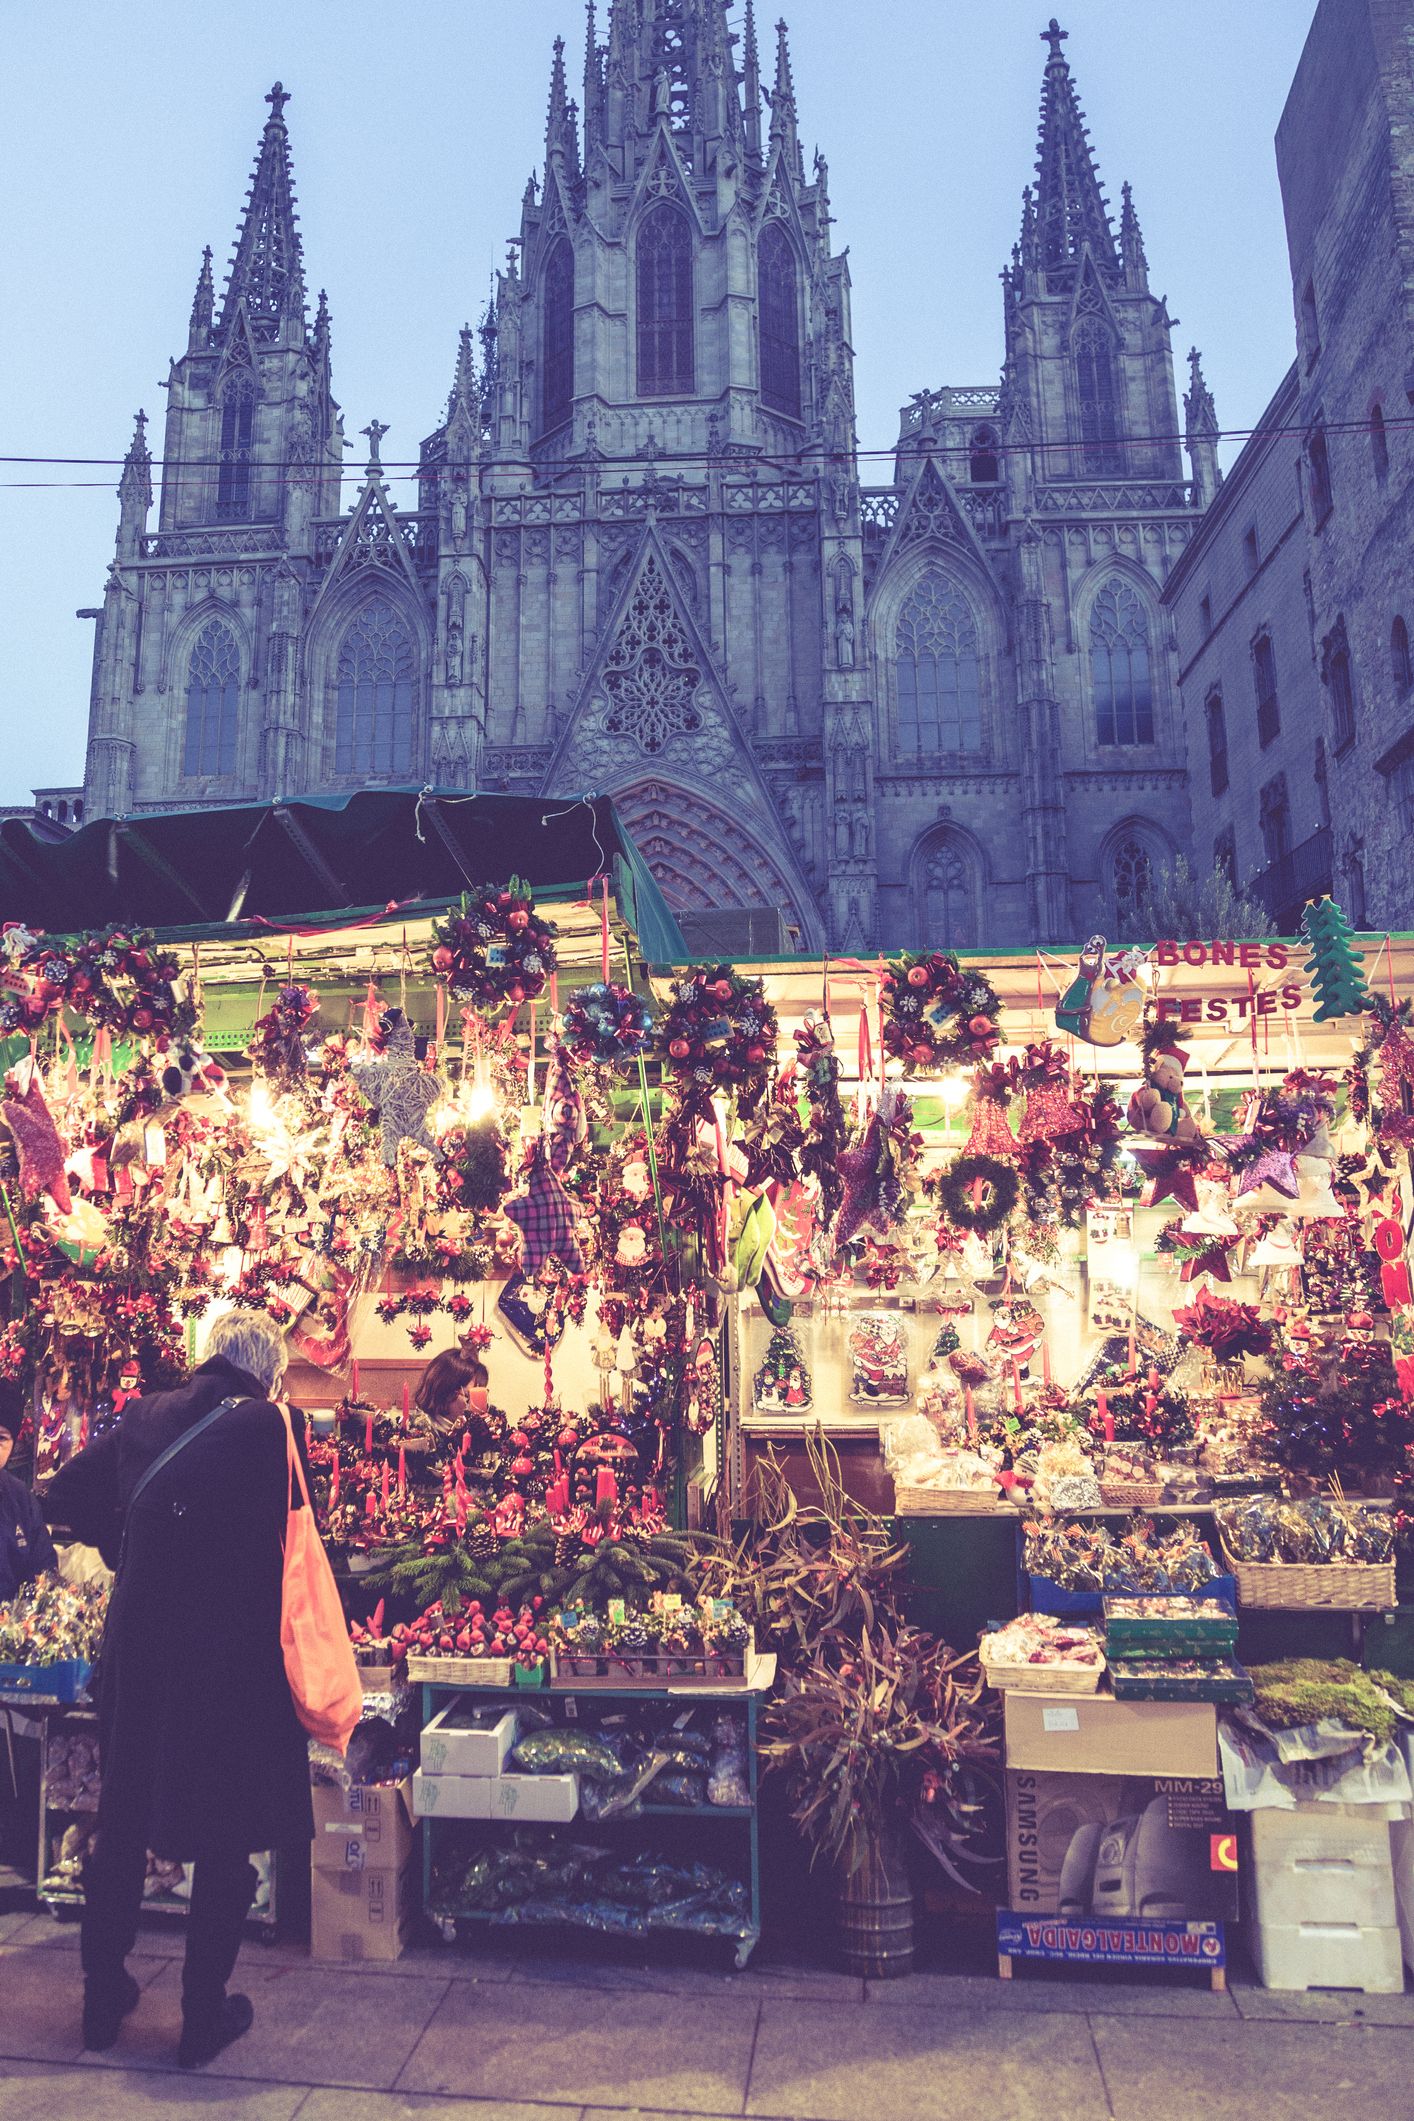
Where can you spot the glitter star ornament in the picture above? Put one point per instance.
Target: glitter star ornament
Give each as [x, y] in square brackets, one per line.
[399, 1088]
[37, 1145]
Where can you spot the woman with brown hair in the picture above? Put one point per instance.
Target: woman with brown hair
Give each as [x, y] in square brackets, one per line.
[452, 1393]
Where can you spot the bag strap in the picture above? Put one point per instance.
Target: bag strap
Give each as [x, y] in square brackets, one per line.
[187, 1436]
[294, 1463]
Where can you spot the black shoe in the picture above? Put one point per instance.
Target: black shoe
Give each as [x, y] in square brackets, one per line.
[203, 2042]
[105, 2007]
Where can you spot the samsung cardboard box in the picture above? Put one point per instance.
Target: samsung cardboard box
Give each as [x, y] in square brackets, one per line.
[367, 1827]
[1121, 1848]
[1093, 1734]
[363, 1914]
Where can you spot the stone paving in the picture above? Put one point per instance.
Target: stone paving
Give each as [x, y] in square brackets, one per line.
[543, 2032]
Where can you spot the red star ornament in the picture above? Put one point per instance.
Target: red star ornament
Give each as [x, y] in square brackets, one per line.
[1168, 1175]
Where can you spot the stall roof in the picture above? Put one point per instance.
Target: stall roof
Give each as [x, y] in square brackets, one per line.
[205, 870]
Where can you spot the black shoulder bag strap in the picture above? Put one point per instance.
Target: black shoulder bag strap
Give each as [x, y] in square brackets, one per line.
[187, 1436]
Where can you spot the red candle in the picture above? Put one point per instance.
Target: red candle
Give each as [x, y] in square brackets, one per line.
[387, 1477]
[971, 1411]
[402, 1471]
[1133, 1357]
[368, 1436]
[606, 1488]
[1107, 1420]
[461, 1512]
[1016, 1384]
[353, 1382]
[334, 1479]
[1153, 1377]
[407, 1392]
[369, 1505]
[1046, 1361]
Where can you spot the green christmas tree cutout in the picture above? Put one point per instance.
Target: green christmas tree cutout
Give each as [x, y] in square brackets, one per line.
[782, 1384]
[1335, 966]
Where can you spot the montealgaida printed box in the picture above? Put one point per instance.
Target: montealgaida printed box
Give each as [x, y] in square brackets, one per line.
[1124, 1848]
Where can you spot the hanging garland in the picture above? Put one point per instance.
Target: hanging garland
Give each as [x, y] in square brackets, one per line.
[934, 1013]
[116, 978]
[495, 952]
[987, 1207]
[277, 1047]
[608, 1023]
[719, 1034]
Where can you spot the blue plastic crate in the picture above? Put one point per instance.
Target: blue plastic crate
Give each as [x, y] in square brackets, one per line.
[45, 1682]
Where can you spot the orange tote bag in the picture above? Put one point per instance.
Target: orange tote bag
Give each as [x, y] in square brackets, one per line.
[319, 1658]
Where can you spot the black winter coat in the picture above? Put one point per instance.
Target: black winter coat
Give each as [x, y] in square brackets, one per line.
[198, 1733]
[26, 1549]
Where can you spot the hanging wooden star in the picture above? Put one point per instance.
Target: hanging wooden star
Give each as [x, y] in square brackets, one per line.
[399, 1088]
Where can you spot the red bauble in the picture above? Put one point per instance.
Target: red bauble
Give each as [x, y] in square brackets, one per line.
[518, 918]
[756, 1054]
[918, 975]
[443, 959]
[522, 1467]
[981, 1026]
[515, 992]
[679, 1049]
[722, 988]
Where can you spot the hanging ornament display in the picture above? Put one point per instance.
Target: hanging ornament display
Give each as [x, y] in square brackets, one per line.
[117, 978]
[494, 951]
[1105, 1000]
[718, 1034]
[991, 1133]
[607, 1025]
[37, 1144]
[935, 1013]
[544, 1215]
[1388, 1103]
[1158, 1107]
[1337, 974]
[978, 1193]
[878, 1354]
[277, 1048]
[827, 1130]
[398, 1087]
[880, 1171]
[1043, 1074]
[782, 1383]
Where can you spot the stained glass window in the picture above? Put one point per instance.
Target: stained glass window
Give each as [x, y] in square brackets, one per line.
[377, 670]
[779, 321]
[233, 459]
[1119, 667]
[949, 900]
[213, 698]
[664, 303]
[557, 337]
[939, 671]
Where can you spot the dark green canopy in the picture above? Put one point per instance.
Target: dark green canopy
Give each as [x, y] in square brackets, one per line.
[324, 856]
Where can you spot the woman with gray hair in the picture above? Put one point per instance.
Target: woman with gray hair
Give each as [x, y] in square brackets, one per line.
[203, 1758]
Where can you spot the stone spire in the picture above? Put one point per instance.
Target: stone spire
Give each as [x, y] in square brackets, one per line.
[1201, 433]
[751, 82]
[267, 271]
[465, 398]
[203, 307]
[134, 490]
[1131, 241]
[593, 83]
[783, 113]
[561, 132]
[669, 58]
[1070, 205]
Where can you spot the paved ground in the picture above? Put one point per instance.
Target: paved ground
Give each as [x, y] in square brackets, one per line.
[543, 2034]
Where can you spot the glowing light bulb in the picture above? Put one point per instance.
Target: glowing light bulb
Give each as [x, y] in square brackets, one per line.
[482, 1102]
[954, 1091]
[262, 1107]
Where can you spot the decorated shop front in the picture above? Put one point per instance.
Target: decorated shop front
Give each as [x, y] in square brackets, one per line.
[698, 1359]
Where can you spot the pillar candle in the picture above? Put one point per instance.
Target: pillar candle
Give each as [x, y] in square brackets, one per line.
[1016, 1385]
[368, 1437]
[971, 1411]
[605, 1487]
[1153, 1377]
[369, 1504]
[402, 1470]
[407, 1389]
[1046, 1361]
[1107, 1420]
[387, 1479]
[334, 1479]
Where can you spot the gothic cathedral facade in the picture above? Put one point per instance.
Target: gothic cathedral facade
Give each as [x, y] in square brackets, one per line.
[645, 558]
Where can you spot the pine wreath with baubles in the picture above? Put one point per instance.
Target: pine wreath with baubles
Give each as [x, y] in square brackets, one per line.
[607, 1023]
[719, 1034]
[935, 1013]
[978, 1193]
[495, 951]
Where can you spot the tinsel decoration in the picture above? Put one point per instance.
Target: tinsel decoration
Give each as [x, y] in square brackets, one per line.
[495, 951]
[607, 1024]
[1388, 1103]
[935, 1013]
[277, 1048]
[719, 1033]
[978, 1193]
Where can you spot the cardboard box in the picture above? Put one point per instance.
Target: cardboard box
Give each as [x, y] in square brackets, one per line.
[367, 1827]
[1122, 1848]
[466, 1740]
[1327, 1955]
[451, 1796]
[534, 1797]
[1323, 1863]
[1093, 1734]
[363, 1914]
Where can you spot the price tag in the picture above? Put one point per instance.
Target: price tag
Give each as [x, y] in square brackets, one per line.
[1060, 1719]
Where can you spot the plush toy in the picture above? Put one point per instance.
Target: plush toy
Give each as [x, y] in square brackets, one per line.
[188, 1067]
[1157, 1106]
[544, 1215]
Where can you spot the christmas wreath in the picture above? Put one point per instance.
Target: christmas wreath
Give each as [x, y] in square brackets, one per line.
[608, 1023]
[978, 1193]
[719, 1034]
[495, 951]
[934, 1013]
[277, 1047]
[117, 978]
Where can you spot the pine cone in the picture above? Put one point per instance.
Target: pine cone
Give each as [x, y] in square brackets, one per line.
[481, 1545]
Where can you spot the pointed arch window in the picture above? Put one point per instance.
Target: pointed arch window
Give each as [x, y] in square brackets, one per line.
[1097, 391]
[778, 321]
[557, 337]
[1131, 873]
[374, 689]
[233, 453]
[1120, 667]
[938, 671]
[984, 457]
[665, 355]
[213, 700]
[949, 895]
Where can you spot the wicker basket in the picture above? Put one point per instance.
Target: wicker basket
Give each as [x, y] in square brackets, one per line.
[1044, 1678]
[1131, 1494]
[459, 1671]
[947, 1502]
[1313, 1586]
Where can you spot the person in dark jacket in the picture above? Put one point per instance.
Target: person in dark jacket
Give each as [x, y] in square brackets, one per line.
[202, 1755]
[26, 1550]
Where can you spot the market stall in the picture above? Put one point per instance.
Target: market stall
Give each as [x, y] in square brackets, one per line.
[1058, 1295]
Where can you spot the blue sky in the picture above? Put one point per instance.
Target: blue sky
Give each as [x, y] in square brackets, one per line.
[131, 131]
